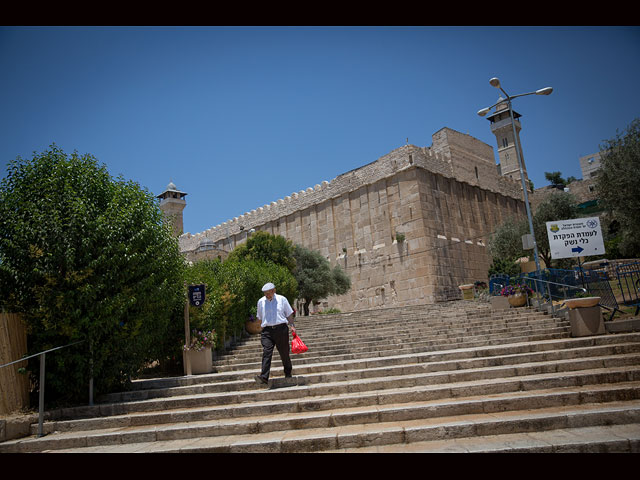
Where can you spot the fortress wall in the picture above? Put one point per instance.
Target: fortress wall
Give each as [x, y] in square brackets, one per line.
[353, 221]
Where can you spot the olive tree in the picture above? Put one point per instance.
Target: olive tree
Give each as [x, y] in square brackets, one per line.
[316, 278]
[505, 246]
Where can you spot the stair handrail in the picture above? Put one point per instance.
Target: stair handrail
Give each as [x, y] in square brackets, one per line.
[548, 282]
[41, 384]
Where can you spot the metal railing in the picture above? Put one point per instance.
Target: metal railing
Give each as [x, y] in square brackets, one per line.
[41, 384]
[563, 287]
[548, 283]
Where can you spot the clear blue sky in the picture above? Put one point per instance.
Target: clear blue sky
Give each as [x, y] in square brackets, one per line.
[239, 117]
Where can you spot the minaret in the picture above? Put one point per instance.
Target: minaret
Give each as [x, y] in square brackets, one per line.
[172, 204]
[503, 130]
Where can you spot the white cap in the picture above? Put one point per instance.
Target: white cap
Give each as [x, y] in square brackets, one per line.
[268, 286]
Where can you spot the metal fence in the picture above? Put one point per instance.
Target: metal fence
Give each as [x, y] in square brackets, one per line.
[629, 281]
[556, 284]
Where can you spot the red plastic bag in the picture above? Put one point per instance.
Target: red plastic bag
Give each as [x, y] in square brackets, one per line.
[297, 345]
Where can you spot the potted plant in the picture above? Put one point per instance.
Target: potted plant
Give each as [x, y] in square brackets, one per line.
[517, 294]
[252, 325]
[199, 350]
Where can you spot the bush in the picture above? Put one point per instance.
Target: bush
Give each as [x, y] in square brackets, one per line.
[232, 291]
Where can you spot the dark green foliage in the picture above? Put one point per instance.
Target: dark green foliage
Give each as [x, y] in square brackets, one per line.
[87, 257]
[555, 178]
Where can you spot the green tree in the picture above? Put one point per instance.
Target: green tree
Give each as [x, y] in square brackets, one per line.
[557, 206]
[268, 248]
[617, 185]
[505, 246]
[85, 257]
[555, 178]
[316, 278]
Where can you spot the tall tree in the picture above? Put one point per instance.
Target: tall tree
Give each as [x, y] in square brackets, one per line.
[617, 185]
[86, 257]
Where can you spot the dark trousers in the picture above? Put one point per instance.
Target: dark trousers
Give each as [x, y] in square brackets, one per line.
[278, 337]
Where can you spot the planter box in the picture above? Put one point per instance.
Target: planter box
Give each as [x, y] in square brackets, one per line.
[201, 362]
[467, 291]
[586, 321]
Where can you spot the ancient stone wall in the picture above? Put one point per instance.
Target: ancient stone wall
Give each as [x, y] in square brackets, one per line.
[444, 200]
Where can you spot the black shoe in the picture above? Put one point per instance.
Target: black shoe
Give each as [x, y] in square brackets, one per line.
[261, 380]
[287, 376]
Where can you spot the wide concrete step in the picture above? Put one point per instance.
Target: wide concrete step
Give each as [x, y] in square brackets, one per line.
[389, 345]
[623, 438]
[529, 392]
[320, 326]
[394, 379]
[360, 404]
[347, 354]
[453, 359]
[409, 370]
[335, 431]
[328, 339]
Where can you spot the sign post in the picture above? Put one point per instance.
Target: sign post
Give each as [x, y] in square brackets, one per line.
[195, 297]
[187, 337]
[580, 237]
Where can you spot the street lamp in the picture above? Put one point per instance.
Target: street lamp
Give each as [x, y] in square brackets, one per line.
[543, 91]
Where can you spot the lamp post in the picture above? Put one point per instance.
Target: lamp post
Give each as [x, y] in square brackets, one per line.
[543, 91]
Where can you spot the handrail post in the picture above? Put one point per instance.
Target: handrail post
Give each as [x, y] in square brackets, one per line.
[41, 395]
[91, 372]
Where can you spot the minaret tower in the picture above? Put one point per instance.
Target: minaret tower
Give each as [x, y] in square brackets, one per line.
[172, 204]
[503, 130]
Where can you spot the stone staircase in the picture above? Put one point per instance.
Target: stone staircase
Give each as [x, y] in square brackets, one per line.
[452, 377]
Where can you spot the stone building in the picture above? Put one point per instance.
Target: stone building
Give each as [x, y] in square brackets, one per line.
[408, 228]
[590, 164]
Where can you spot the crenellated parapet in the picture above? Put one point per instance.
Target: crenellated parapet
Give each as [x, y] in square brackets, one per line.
[452, 155]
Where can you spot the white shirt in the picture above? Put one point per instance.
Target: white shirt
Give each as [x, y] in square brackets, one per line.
[273, 312]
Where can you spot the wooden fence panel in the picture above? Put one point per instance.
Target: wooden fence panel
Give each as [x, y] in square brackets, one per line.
[14, 386]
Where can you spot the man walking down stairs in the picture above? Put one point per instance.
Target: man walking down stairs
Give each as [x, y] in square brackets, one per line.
[450, 377]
